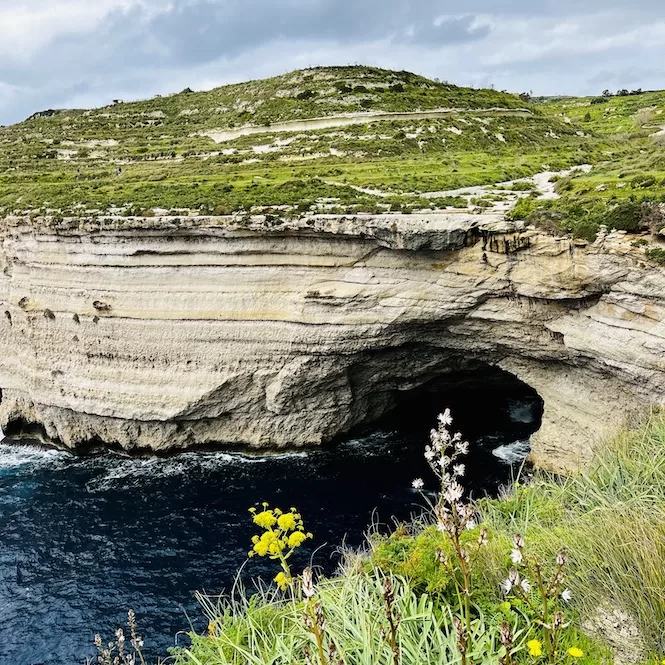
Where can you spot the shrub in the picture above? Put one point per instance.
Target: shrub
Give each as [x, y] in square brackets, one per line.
[625, 216]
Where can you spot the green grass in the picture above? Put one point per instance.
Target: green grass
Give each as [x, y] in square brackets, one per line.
[268, 631]
[611, 520]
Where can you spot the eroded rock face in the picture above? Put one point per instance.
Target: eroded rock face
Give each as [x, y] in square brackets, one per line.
[287, 334]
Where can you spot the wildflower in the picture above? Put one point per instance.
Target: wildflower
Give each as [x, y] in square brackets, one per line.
[516, 556]
[525, 585]
[518, 541]
[506, 585]
[482, 538]
[566, 595]
[296, 539]
[561, 558]
[462, 447]
[535, 648]
[282, 580]
[506, 635]
[445, 419]
[453, 493]
[458, 469]
[287, 521]
[418, 484]
[575, 652]
[265, 519]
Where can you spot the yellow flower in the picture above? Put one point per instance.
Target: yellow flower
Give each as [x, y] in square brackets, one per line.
[296, 539]
[575, 652]
[265, 519]
[282, 580]
[287, 522]
[535, 648]
[276, 546]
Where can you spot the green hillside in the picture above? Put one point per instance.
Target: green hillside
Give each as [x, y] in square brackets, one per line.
[626, 187]
[187, 152]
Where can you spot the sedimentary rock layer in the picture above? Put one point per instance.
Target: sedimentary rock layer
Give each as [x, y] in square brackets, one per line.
[285, 334]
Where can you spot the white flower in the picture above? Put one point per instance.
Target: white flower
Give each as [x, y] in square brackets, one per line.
[518, 541]
[429, 454]
[418, 484]
[453, 493]
[506, 585]
[566, 595]
[445, 419]
[462, 448]
[458, 469]
[526, 586]
[482, 539]
[444, 462]
[516, 556]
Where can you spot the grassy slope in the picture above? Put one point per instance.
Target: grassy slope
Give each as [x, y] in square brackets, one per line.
[67, 161]
[630, 170]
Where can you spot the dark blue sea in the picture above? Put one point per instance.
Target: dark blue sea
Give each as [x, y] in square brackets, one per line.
[83, 539]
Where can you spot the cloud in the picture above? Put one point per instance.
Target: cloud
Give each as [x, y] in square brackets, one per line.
[82, 53]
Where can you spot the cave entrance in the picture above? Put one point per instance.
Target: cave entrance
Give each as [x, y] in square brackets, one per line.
[495, 411]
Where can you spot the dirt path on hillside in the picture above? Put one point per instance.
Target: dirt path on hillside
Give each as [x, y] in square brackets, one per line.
[222, 135]
[544, 187]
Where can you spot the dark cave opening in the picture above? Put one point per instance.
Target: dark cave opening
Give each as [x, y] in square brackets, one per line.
[483, 402]
[495, 411]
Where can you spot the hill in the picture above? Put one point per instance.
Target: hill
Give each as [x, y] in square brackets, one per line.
[335, 139]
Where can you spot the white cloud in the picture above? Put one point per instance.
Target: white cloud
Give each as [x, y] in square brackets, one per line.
[30, 25]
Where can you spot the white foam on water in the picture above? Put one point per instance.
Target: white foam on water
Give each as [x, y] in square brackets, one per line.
[132, 471]
[14, 456]
[512, 453]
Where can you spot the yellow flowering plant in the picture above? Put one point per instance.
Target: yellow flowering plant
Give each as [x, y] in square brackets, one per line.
[283, 533]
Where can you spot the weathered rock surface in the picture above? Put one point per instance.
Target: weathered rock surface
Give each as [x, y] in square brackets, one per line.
[156, 334]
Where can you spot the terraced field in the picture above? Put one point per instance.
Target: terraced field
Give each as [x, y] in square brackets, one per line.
[342, 139]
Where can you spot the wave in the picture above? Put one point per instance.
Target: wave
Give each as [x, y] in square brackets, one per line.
[14, 456]
[512, 453]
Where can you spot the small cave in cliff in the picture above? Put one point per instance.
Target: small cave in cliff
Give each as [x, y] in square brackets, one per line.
[495, 411]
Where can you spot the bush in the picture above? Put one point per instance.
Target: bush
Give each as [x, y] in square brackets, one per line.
[625, 216]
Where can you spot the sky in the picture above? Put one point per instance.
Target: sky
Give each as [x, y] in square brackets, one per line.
[85, 53]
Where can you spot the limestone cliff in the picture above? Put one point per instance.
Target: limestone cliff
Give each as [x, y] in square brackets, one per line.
[161, 334]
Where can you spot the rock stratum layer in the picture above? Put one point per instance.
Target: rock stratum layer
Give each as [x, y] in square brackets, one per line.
[275, 334]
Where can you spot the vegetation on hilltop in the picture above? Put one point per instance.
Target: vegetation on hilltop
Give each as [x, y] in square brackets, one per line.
[173, 155]
[138, 157]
